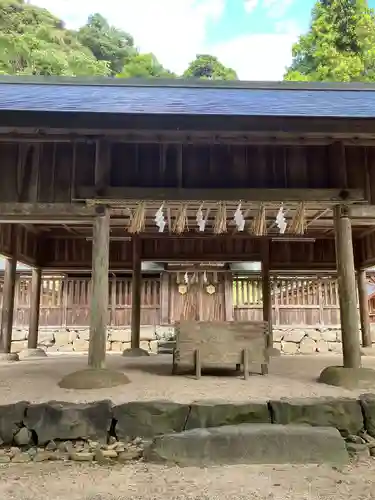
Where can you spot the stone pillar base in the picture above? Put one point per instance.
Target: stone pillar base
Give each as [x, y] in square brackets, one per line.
[32, 353]
[91, 378]
[135, 353]
[9, 356]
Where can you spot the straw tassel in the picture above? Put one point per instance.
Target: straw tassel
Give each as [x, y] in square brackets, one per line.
[180, 223]
[137, 223]
[298, 225]
[258, 227]
[220, 225]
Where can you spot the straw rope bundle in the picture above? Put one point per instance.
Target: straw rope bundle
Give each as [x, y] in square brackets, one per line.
[258, 226]
[137, 219]
[220, 224]
[181, 221]
[298, 225]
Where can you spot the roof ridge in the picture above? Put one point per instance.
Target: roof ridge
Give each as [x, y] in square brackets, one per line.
[185, 83]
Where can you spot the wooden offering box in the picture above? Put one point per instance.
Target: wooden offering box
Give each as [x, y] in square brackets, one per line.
[224, 344]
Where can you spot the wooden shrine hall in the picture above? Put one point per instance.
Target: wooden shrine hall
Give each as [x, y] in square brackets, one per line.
[104, 174]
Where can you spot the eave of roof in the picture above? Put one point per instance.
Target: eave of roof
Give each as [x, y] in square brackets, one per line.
[187, 97]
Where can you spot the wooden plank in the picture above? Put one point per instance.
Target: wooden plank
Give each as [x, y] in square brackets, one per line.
[256, 195]
[362, 212]
[45, 213]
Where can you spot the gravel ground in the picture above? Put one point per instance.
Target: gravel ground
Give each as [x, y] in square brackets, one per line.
[290, 376]
[146, 482]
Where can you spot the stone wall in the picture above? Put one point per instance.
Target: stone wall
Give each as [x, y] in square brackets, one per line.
[104, 432]
[289, 340]
[77, 339]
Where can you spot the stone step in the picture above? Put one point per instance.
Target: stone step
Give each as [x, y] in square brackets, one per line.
[250, 444]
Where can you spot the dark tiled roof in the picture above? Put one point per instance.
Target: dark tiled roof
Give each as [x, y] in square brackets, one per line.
[184, 98]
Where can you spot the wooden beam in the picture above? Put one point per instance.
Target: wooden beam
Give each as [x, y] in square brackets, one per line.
[36, 283]
[362, 212]
[256, 195]
[347, 289]
[46, 213]
[136, 295]
[363, 308]
[99, 291]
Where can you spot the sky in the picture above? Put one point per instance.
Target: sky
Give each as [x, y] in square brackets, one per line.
[254, 37]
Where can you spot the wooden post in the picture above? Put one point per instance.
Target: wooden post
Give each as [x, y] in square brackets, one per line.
[228, 297]
[347, 288]
[363, 308]
[266, 289]
[136, 295]
[164, 298]
[8, 304]
[99, 289]
[36, 284]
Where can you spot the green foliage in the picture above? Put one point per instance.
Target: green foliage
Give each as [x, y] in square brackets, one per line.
[107, 43]
[209, 67]
[142, 66]
[34, 42]
[339, 46]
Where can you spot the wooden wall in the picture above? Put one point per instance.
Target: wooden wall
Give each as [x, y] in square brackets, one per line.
[65, 302]
[55, 172]
[76, 253]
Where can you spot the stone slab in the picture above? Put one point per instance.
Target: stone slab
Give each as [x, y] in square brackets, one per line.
[216, 413]
[58, 420]
[250, 444]
[11, 418]
[344, 414]
[368, 407]
[149, 418]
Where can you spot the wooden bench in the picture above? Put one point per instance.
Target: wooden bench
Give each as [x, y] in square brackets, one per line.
[205, 344]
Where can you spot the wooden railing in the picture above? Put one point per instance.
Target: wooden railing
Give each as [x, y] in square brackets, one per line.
[308, 301]
[295, 301]
[66, 301]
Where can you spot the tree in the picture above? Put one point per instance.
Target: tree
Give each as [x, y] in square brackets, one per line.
[143, 66]
[209, 67]
[339, 46]
[33, 41]
[107, 43]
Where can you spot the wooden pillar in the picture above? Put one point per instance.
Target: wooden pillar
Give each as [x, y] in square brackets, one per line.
[363, 308]
[136, 295]
[99, 289]
[347, 288]
[164, 298]
[36, 284]
[228, 296]
[266, 289]
[8, 304]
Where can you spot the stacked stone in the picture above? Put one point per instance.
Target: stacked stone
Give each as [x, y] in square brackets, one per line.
[307, 341]
[77, 339]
